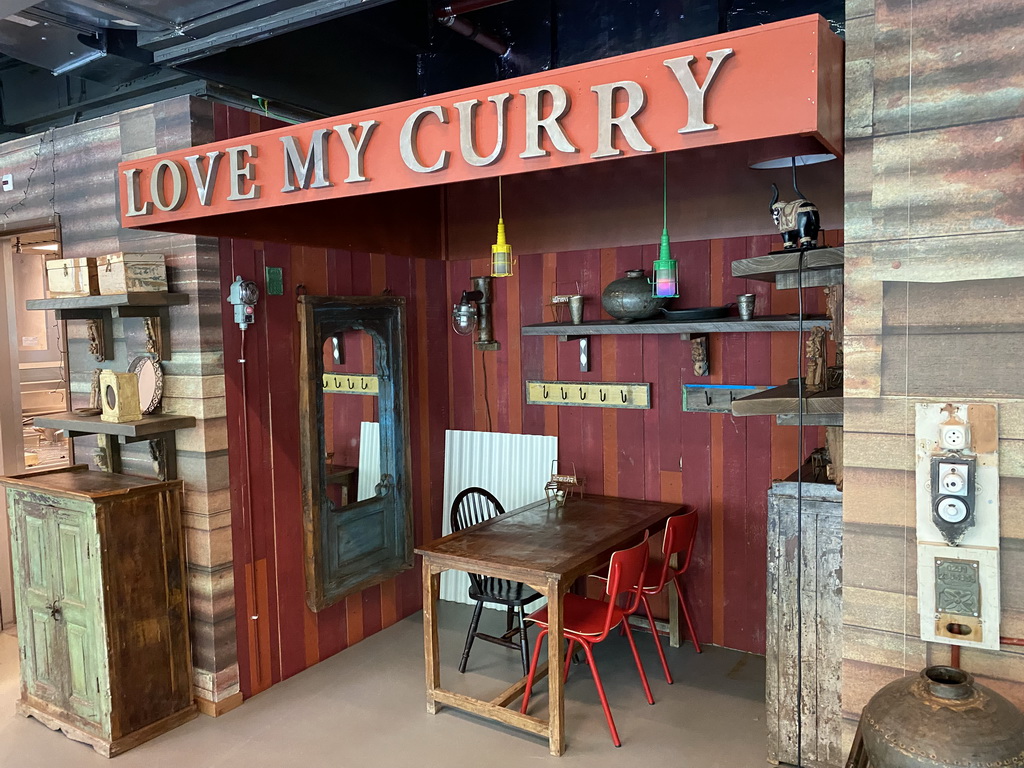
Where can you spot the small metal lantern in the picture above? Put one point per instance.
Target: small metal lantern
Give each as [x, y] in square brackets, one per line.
[562, 484]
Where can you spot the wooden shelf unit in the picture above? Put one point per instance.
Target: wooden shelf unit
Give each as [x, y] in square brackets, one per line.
[783, 401]
[103, 308]
[151, 427]
[822, 267]
[685, 329]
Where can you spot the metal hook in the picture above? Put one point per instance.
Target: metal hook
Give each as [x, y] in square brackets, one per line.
[583, 395]
[364, 384]
[564, 393]
[603, 395]
[544, 391]
[350, 384]
[707, 397]
[622, 394]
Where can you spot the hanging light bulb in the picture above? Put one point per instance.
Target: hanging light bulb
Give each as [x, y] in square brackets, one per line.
[665, 284]
[501, 251]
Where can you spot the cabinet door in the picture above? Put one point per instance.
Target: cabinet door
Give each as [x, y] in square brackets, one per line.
[59, 593]
[77, 583]
[34, 574]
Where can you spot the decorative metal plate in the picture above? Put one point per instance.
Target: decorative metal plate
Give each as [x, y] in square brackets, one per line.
[957, 587]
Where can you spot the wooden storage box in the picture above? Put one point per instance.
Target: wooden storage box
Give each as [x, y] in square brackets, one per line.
[131, 273]
[100, 585]
[71, 277]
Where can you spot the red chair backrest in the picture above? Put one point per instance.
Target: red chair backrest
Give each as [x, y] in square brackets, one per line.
[680, 531]
[626, 570]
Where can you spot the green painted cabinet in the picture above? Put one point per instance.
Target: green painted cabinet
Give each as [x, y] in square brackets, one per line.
[102, 614]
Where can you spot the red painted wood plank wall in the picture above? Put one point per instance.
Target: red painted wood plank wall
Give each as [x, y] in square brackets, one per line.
[718, 464]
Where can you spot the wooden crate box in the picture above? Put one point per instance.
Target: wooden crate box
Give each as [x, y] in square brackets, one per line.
[121, 273]
[72, 277]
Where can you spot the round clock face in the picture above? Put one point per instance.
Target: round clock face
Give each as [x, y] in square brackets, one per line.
[952, 510]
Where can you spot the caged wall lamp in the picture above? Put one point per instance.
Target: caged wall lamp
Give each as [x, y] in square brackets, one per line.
[473, 312]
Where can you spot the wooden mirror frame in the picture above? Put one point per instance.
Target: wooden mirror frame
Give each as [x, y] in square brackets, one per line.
[366, 542]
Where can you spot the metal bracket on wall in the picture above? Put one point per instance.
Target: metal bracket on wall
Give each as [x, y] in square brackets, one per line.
[603, 395]
[351, 384]
[584, 350]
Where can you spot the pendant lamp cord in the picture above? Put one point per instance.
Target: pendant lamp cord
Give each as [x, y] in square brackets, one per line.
[664, 187]
[500, 215]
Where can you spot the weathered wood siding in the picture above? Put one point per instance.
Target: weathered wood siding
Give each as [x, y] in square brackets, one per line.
[934, 225]
[71, 171]
[804, 626]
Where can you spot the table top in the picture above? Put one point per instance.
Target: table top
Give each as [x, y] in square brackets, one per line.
[543, 540]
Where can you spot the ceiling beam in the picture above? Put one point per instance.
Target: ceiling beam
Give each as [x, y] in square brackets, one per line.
[241, 24]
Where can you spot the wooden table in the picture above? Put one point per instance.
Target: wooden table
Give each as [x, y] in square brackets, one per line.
[548, 548]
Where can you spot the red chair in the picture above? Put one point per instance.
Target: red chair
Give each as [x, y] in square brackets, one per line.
[587, 621]
[680, 531]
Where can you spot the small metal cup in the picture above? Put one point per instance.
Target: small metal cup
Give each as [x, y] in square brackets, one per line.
[576, 309]
[745, 302]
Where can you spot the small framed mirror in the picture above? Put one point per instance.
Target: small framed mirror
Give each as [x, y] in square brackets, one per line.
[357, 512]
[151, 382]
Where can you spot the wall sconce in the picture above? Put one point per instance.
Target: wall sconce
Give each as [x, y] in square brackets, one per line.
[474, 312]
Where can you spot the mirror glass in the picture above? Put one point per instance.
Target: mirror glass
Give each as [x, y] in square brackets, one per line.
[350, 418]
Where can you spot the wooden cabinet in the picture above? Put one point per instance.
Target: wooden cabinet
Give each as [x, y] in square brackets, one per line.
[804, 624]
[99, 574]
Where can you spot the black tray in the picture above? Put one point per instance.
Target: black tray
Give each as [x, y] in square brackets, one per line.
[696, 313]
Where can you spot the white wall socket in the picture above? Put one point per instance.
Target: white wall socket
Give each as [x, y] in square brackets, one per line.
[953, 479]
[7, 182]
[953, 437]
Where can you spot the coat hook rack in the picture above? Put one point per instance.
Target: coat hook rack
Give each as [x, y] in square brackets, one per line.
[596, 395]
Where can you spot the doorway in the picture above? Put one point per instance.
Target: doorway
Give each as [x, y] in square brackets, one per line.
[33, 375]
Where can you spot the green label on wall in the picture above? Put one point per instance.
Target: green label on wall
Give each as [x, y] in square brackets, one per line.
[275, 281]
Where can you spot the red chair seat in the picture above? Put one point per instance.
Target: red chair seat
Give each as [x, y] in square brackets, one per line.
[581, 616]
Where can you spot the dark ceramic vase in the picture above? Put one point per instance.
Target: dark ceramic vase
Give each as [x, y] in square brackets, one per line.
[629, 298]
[938, 718]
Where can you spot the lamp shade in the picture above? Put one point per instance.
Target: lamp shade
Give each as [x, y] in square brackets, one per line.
[501, 254]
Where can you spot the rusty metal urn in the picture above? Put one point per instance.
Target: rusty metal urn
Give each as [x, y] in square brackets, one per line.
[940, 718]
[629, 298]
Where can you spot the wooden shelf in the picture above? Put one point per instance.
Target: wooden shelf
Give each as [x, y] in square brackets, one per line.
[153, 427]
[154, 424]
[783, 400]
[684, 328]
[102, 308]
[150, 299]
[822, 266]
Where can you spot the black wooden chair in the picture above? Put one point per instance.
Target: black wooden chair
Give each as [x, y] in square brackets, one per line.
[472, 506]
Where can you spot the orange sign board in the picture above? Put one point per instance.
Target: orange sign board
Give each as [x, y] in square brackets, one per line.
[776, 80]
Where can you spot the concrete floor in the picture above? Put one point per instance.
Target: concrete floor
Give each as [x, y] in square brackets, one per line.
[364, 708]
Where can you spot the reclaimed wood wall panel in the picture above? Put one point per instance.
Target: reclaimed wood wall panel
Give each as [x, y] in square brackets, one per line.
[934, 218]
[71, 171]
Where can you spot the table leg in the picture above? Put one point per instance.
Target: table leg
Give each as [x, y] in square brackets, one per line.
[556, 673]
[431, 589]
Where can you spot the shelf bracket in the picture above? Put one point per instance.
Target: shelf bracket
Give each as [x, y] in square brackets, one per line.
[584, 349]
[161, 339]
[699, 355]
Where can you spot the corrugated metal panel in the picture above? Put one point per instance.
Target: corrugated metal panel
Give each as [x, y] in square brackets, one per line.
[512, 467]
[369, 459]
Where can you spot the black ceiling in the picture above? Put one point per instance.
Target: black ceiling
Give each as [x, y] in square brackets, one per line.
[302, 59]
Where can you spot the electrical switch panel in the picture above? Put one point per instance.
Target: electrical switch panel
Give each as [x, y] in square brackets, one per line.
[957, 463]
